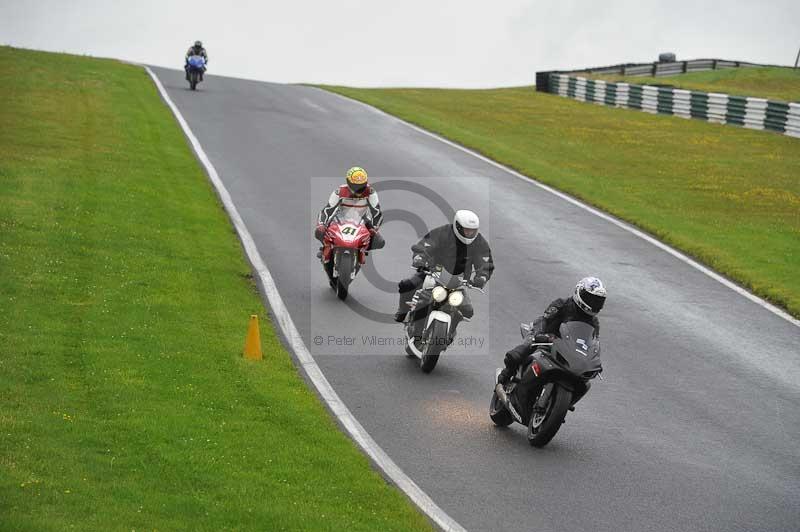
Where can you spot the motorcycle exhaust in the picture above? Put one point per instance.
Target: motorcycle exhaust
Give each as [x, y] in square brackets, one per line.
[503, 396]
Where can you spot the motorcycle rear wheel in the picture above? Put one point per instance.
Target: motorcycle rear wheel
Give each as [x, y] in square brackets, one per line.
[540, 434]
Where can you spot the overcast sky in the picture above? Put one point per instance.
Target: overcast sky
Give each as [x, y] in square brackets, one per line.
[448, 43]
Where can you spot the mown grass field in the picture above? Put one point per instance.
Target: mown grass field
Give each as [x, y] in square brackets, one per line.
[725, 195]
[775, 83]
[124, 300]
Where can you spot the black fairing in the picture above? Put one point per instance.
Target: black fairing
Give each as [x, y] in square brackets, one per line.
[576, 349]
[571, 361]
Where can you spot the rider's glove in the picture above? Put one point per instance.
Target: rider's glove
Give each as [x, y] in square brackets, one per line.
[479, 281]
[419, 262]
[319, 232]
[542, 338]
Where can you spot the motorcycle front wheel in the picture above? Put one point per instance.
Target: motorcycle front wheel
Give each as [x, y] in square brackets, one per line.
[543, 426]
[436, 343]
[344, 268]
[193, 80]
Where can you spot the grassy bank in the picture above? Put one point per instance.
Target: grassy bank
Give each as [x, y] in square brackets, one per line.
[774, 83]
[124, 299]
[728, 196]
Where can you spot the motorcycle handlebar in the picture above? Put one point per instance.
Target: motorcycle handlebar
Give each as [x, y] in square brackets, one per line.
[464, 282]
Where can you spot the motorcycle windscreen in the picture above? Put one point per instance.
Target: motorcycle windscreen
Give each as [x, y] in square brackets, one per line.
[197, 60]
[352, 215]
[578, 346]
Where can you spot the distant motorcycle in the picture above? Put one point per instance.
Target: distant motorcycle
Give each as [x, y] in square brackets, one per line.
[345, 245]
[197, 64]
[549, 384]
[442, 294]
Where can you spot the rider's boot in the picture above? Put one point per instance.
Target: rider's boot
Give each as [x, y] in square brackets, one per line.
[505, 376]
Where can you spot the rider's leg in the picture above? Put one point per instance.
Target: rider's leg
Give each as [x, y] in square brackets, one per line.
[407, 287]
[465, 310]
[513, 360]
[319, 232]
[377, 241]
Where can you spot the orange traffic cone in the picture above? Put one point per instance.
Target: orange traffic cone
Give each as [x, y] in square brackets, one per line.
[252, 344]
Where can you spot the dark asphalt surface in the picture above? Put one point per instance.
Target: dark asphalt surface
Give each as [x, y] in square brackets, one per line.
[697, 425]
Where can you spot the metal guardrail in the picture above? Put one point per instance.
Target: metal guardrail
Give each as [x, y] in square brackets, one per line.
[659, 68]
[655, 69]
[753, 113]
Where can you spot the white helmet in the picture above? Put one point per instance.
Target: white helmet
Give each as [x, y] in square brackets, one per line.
[465, 226]
[590, 295]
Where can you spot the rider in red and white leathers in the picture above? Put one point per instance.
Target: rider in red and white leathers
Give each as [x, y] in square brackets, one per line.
[356, 192]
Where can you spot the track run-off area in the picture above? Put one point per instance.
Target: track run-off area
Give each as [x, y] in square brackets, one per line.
[696, 424]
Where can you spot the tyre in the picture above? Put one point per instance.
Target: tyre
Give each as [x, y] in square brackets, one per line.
[345, 269]
[434, 345]
[542, 427]
[498, 413]
[193, 80]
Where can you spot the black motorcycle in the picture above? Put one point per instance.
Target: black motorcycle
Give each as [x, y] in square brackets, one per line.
[549, 383]
[437, 303]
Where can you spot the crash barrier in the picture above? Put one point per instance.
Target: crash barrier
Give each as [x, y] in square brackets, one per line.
[753, 113]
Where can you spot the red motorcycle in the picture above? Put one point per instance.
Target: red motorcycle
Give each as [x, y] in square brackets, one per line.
[345, 247]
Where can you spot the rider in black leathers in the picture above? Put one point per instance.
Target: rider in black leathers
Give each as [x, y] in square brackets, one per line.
[459, 255]
[586, 301]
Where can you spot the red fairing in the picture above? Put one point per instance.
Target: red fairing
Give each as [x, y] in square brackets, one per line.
[346, 235]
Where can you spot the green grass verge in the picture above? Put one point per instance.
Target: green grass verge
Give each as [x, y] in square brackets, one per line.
[728, 196]
[124, 300]
[774, 83]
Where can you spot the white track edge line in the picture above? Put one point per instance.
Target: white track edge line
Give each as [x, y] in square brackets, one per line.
[619, 223]
[292, 335]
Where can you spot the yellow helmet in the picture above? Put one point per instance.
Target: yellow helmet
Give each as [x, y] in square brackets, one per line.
[357, 179]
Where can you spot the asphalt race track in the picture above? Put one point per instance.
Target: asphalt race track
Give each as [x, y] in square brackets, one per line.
[697, 423]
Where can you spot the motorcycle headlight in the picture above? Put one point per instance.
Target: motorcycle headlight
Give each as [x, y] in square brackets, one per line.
[456, 298]
[439, 293]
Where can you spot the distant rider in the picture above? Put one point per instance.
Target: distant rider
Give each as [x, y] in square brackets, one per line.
[356, 192]
[587, 299]
[195, 49]
[460, 250]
